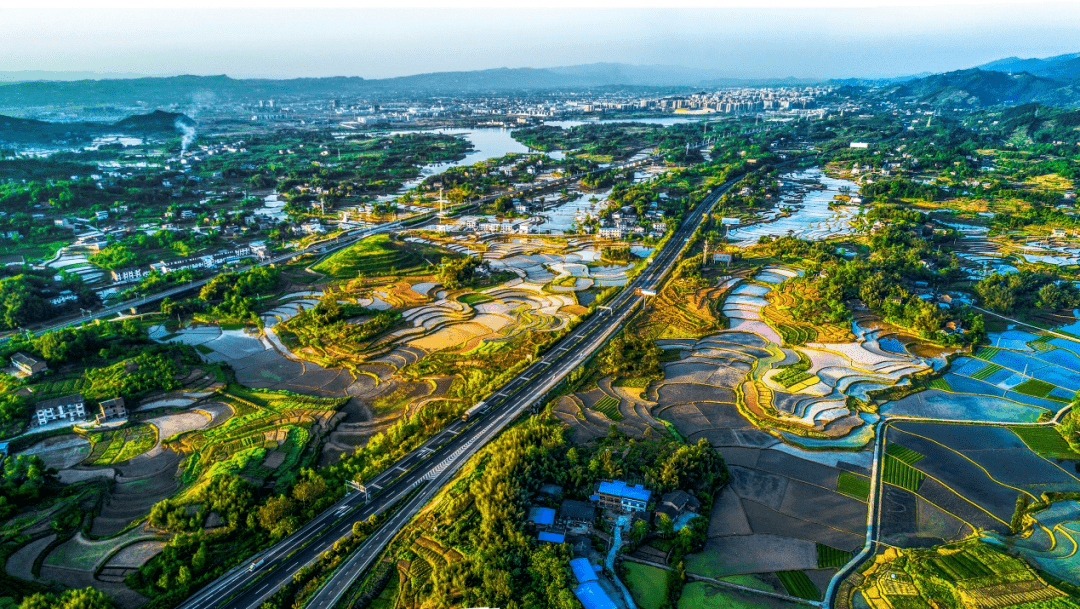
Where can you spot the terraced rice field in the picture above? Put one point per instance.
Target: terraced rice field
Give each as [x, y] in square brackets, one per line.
[609, 406]
[121, 445]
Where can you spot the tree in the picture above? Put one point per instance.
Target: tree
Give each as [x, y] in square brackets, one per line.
[275, 510]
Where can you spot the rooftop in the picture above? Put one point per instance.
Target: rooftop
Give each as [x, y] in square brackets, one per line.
[542, 516]
[74, 398]
[583, 571]
[621, 489]
[593, 596]
[551, 537]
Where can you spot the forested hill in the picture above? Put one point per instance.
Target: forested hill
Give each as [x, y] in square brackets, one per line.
[28, 130]
[986, 88]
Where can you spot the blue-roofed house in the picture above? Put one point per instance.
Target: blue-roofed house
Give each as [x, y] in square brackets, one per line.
[550, 537]
[542, 516]
[593, 596]
[583, 571]
[620, 496]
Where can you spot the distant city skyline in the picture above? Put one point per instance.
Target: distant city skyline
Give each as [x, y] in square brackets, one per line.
[869, 41]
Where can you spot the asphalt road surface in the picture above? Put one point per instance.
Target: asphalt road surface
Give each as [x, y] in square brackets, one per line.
[433, 464]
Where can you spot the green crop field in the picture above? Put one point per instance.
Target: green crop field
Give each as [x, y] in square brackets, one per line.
[986, 353]
[853, 485]
[901, 474]
[648, 585]
[1046, 441]
[940, 384]
[1034, 388]
[831, 558]
[798, 584]
[609, 406]
[904, 454]
[960, 566]
[986, 371]
[120, 445]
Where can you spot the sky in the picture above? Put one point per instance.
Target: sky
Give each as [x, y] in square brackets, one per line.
[763, 39]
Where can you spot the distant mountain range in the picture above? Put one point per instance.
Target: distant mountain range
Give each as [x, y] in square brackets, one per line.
[157, 123]
[1007, 81]
[1061, 67]
[977, 87]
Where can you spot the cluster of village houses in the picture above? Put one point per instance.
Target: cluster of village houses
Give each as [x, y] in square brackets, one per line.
[572, 522]
[69, 409]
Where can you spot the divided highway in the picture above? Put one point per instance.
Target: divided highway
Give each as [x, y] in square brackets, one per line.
[433, 465]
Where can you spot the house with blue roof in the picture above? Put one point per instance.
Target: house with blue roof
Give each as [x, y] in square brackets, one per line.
[592, 596]
[583, 570]
[542, 516]
[549, 537]
[621, 497]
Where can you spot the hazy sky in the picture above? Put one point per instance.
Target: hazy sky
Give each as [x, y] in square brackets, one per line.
[860, 39]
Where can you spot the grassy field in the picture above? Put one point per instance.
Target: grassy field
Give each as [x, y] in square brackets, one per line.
[648, 585]
[831, 558]
[901, 474]
[378, 255]
[1046, 441]
[609, 406]
[986, 353]
[798, 584]
[853, 485]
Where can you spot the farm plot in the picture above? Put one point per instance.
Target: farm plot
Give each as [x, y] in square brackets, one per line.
[120, 445]
[973, 473]
[1052, 545]
[703, 595]
[908, 520]
[968, 574]
[760, 523]
[263, 422]
[648, 585]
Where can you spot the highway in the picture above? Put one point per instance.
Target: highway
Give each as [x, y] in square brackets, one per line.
[328, 246]
[434, 463]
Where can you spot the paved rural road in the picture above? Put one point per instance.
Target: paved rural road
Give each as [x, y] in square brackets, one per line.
[433, 464]
[325, 247]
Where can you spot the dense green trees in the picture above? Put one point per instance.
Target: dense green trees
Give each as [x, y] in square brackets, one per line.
[22, 479]
[85, 598]
[25, 294]
[232, 295]
[1026, 291]
[631, 357]
[459, 272]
